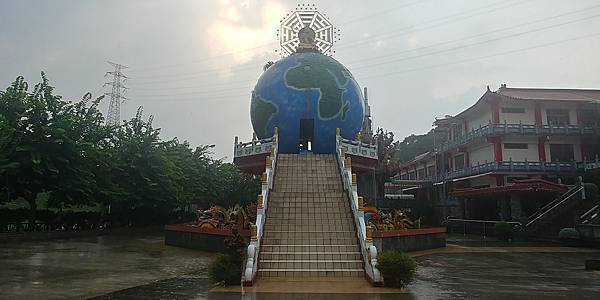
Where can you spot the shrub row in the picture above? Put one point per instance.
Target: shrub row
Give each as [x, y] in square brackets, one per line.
[54, 220]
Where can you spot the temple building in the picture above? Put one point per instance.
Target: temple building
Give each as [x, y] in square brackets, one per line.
[510, 153]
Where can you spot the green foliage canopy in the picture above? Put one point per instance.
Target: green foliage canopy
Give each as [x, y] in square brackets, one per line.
[64, 149]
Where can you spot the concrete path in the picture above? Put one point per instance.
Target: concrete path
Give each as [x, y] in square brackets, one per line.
[143, 268]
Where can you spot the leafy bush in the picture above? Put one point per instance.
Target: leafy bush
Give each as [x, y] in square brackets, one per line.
[504, 231]
[225, 269]
[398, 269]
[591, 191]
[568, 233]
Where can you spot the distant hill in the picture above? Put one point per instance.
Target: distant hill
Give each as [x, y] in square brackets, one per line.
[414, 145]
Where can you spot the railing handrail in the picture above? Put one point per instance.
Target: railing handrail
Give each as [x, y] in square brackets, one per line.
[448, 220]
[253, 249]
[543, 213]
[567, 194]
[520, 128]
[505, 166]
[589, 215]
[369, 252]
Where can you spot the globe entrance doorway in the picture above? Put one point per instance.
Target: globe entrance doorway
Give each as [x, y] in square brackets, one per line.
[307, 133]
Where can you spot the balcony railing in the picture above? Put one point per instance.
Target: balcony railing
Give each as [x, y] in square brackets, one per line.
[357, 148]
[492, 130]
[263, 146]
[505, 167]
[591, 165]
[253, 148]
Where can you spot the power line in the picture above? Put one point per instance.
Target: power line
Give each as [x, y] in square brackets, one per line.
[270, 44]
[210, 92]
[196, 99]
[246, 82]
[476, 43]
[477, 35]
[383, 12]
[195, 93]
[117, 94]
[204, 59]
[410, 29]
[208, 97]
[483, 57]
[481, 42]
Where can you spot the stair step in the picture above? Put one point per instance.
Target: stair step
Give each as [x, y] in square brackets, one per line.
[309, 194]
[337, 273]
[303, 215]
[308, 248]
[318, 241]
[310, 210]
[310, 226]
[310, 264]
[318, 256]
[311, 233]
[315, 205]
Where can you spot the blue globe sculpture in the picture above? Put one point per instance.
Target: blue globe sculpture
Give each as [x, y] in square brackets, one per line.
[307, 96]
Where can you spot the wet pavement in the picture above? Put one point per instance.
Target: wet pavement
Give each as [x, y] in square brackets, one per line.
[85, 267]
[142, 267]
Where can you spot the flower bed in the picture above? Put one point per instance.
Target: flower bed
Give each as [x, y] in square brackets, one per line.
[410, 239]
[195, 237]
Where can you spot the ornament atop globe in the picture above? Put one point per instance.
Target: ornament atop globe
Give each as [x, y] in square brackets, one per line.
[307, 94]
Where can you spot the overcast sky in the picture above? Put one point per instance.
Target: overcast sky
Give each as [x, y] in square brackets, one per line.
[193, 63]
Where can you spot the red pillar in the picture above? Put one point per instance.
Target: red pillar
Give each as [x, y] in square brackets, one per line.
[542, 148]
[495, 112]
[499, 180]
[497, 142]
[538, 114]
[466, 154]
[541, 140]
[579, 114]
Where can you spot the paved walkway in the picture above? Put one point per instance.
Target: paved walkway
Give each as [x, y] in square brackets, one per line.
[143, 268]
[84, 267]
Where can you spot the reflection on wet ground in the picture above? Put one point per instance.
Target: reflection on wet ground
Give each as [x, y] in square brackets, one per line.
[86, 267]
[143, 268]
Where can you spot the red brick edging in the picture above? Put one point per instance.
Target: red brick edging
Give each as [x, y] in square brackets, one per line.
[408, 232]
[212, 231]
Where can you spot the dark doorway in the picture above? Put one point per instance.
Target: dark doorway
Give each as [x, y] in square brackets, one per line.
[307, 133]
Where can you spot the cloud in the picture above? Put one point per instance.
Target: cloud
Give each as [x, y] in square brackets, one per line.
[245, 29]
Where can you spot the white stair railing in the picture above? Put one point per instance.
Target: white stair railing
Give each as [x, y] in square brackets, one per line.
[257, 230]
[368, 249]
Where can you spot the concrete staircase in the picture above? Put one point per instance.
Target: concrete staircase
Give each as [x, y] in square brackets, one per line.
[309, 229]
[559, 213]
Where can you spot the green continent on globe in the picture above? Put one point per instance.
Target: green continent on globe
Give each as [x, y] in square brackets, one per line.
[319, 72]
[261, 112]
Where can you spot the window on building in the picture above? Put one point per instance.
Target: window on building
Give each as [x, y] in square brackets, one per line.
[457, 131]
[431, 171]
[590, 117]
[459, 162]
[562, 152]
[516, 146]
[513, 110]
[421, 174]
[557, 117]
[412, 176]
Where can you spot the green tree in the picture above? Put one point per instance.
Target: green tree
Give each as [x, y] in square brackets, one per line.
[46, 143]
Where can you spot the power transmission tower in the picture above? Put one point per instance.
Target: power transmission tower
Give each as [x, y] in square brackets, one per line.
[117, 94]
